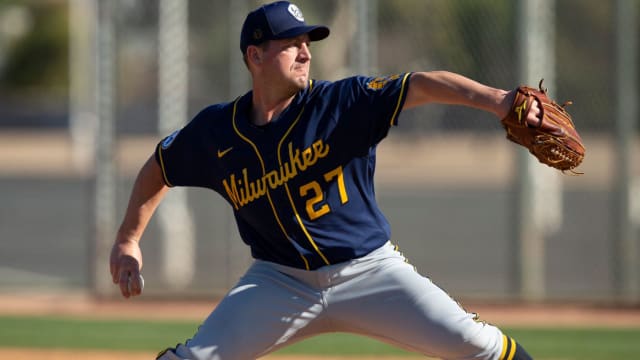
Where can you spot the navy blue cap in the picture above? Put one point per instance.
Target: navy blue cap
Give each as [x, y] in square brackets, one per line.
[278, 20]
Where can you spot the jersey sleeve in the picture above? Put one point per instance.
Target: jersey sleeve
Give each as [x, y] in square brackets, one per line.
[374, 103]
[185, 156]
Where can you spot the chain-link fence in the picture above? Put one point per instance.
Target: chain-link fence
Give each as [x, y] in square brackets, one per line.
[446, 175]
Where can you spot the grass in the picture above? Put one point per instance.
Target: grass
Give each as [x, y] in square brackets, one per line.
[139, 335]
[67, 333]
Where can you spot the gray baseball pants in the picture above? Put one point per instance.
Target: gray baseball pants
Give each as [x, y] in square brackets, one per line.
[379, 295]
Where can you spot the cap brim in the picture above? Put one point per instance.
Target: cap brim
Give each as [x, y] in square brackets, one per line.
[316, 32]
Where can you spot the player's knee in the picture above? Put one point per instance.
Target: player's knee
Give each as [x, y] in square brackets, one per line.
[511, 350]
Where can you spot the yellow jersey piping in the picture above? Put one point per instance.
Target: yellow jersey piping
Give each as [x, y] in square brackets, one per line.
[255, 148]
[295, 211]
[402, 90]
[164, 173]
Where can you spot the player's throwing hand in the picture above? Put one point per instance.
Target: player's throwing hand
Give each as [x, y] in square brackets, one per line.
[125, 264]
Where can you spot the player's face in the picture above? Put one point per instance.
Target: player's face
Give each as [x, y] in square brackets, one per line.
[286, 62]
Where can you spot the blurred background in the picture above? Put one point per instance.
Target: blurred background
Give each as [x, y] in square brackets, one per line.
[88, 88]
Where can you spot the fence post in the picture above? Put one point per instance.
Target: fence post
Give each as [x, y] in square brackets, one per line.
[175, 219]
[625, 250]
[104, 179]
[538, 189]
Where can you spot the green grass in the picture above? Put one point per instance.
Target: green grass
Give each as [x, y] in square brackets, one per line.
[140, 335]
[59, 332]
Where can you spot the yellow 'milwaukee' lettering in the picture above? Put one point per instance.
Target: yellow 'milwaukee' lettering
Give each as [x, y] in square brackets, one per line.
[242, 191]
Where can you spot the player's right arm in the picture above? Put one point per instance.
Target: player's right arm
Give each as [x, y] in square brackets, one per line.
[126, 257]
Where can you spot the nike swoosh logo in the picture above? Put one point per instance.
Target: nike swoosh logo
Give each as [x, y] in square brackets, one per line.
[224, 152]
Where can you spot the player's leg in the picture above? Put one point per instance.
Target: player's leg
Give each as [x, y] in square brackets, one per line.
[265, 310]
[384, 297]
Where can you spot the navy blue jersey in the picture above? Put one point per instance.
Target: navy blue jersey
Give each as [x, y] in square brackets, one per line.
[301, 187]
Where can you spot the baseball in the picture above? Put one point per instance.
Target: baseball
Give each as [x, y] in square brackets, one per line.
[141, 283]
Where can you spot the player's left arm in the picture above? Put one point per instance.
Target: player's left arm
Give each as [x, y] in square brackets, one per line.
[445, 87]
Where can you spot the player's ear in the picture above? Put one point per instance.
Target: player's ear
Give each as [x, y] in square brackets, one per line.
[254, 54]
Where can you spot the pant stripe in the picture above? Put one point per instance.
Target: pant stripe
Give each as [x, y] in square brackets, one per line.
[504, 347]
[513, 349]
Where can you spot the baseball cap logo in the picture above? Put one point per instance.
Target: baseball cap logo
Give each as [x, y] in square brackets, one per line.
[257, 34]
[295, 12]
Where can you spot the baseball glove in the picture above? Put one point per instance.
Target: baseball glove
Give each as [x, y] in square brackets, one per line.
[554, 140]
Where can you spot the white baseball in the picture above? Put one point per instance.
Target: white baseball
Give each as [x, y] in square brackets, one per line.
[141, 283]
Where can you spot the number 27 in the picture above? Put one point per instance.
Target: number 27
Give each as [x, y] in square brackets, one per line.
[317, 197]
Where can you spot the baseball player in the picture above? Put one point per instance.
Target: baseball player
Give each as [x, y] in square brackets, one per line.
[295, 159]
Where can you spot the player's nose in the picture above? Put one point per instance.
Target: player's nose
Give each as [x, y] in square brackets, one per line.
[305, 52]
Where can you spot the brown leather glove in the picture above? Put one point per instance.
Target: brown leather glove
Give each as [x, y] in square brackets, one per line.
[554, 141]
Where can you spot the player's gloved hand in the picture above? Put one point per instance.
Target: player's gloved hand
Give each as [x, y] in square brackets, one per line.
[534, 116]
[125, 264]
[544, 127]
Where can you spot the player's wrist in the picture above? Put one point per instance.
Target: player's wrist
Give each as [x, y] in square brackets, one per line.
[123, 238]
[503, 103]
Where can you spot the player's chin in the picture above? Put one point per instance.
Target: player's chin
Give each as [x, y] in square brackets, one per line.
[302, 81]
